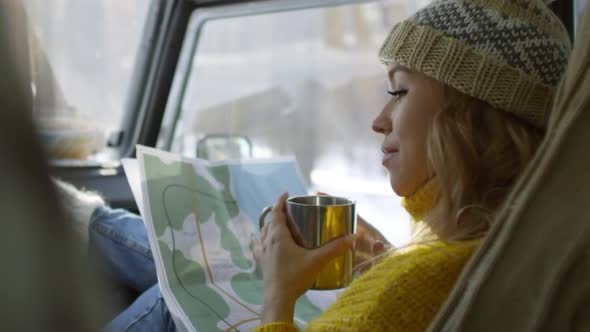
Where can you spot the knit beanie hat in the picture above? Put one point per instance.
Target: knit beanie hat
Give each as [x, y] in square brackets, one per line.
[509, 53]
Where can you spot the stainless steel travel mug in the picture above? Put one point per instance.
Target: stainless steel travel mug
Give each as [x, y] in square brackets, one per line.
[320, 219]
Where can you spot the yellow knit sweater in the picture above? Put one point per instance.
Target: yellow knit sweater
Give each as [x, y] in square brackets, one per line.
[402, 292]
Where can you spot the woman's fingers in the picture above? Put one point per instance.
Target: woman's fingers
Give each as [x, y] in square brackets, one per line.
[278, 210]
[263, 233]
[276, 229]
[295, 233]
[256, 248]
[369, 243]
[280, 205]
[277, 216]
[335, 248]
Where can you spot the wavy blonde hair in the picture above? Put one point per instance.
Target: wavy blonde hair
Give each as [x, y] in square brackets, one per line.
[477, 152]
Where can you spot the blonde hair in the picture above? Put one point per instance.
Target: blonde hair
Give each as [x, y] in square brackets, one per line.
[477, 152]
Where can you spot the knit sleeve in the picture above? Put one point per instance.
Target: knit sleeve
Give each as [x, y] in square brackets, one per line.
[402, 293]
[276, 327]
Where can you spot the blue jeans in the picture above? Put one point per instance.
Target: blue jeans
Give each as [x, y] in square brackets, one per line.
[118, 241]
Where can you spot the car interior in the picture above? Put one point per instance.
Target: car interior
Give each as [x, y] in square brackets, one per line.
[85, 82]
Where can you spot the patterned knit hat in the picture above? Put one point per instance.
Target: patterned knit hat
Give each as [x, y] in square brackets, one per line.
[509, 53]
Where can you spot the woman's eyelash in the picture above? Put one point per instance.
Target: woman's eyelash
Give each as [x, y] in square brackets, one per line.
[396, 93]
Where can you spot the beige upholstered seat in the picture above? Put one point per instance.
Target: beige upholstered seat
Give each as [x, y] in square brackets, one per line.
[532, 273]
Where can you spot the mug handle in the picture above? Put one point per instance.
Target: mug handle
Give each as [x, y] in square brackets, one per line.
[265, 211]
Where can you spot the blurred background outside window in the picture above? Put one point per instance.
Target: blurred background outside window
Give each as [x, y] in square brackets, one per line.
[82, 57]
[578, 9]
[306, 83]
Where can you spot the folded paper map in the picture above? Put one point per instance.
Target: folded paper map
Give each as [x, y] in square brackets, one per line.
[201, 218]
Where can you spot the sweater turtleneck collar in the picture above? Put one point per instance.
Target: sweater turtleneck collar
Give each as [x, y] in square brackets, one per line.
[422, 201]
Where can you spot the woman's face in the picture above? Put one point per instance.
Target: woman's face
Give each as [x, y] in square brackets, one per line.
[404, 123]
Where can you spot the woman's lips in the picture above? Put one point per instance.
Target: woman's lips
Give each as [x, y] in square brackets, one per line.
[387, 154]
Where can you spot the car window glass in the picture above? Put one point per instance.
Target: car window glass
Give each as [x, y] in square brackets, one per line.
[306, 83]
[83, 55]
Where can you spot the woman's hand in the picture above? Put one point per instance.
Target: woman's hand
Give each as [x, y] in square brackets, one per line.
[368, 244]
[288, 270]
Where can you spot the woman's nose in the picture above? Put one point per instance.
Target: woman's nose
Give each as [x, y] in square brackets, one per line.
[382, 123]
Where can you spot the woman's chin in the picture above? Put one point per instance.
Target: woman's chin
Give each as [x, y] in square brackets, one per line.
[401, 188]
[397, 189]
[402, 193]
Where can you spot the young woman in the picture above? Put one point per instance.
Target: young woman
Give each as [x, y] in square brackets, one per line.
[471, 84]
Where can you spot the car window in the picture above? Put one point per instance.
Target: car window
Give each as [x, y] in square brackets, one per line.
[83, 55]
[304, 82]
